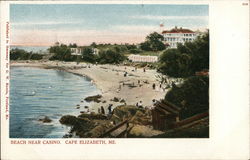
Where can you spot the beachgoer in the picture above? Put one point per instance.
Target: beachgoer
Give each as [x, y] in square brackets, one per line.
[138, 81]
[110, 108]
[102, 110]
[153, 86]
[140, 104]
[99, 110]
[144, 69]
[137, 104]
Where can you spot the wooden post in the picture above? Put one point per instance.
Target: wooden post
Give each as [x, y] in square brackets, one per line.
[126, 132]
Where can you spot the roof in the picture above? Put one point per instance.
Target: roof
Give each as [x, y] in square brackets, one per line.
[167, 108]
[178, 30]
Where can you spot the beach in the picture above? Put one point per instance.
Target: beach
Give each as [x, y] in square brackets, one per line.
[116, 87]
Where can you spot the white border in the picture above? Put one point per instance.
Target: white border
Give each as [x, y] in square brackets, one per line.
[229, 98]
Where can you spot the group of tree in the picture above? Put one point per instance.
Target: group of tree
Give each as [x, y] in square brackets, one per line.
[61, 52]
[186, 59]
[193, 94]
[113, 55]
[153, 42]
[20, 54]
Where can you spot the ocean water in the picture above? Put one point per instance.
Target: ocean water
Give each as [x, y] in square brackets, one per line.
[35, 93]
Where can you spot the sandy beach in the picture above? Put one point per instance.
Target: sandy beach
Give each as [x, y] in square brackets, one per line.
[136, 86]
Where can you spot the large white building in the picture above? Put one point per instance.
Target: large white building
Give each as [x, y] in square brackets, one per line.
[178, 35]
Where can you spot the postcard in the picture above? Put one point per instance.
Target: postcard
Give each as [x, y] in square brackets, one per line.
[124, 80]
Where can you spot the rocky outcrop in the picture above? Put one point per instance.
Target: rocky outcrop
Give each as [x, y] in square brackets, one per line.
[99, 130]
[115, 99]
[93, 116]
[135, 114]
[95, 98]
[94, 125]
[143, 131]
[46, 119]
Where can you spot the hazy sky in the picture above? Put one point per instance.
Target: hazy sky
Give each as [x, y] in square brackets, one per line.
[105, 23]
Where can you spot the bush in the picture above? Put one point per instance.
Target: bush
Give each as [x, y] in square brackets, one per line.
[186, 59]
[88, 55]
[20, 54]
[135, 51]
[192, 96]
[61, 52]
[36, 56]
[110, 56]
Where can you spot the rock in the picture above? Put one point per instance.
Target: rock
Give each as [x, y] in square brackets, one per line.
[104, 101]
[115, 99]
[77, 107]
[93, 115]
[143, 131]
[141, 118]
[122, 112]
[86, 107]
[68, 120]
[93, 98]
[122, 101]
[45, 119]
[99, 130]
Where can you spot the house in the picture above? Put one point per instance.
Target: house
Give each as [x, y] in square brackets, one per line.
[178, 35]
[138, 58]
[95, 51]
[76, 51]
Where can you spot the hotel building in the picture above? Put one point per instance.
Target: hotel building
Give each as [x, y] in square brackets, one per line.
[178, 35]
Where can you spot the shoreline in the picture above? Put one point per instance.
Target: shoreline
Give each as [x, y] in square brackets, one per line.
[110, 80]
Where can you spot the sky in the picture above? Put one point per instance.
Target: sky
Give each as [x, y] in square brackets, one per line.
[45, 24]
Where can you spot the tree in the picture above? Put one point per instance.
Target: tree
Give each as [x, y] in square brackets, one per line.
[110, 56]
[61, 52]
[88, 55]
[20, 54]
[192, 96]
[74, 45]
[146, 46]
[93, 45]
[153, 42]
[186, 59]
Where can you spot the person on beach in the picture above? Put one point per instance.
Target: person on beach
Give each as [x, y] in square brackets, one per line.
[153, 86]
[144, 69]
[102, 110]
[140, 105]
[125, 74]
[99, 110]
[139, 81]
[110, 108]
